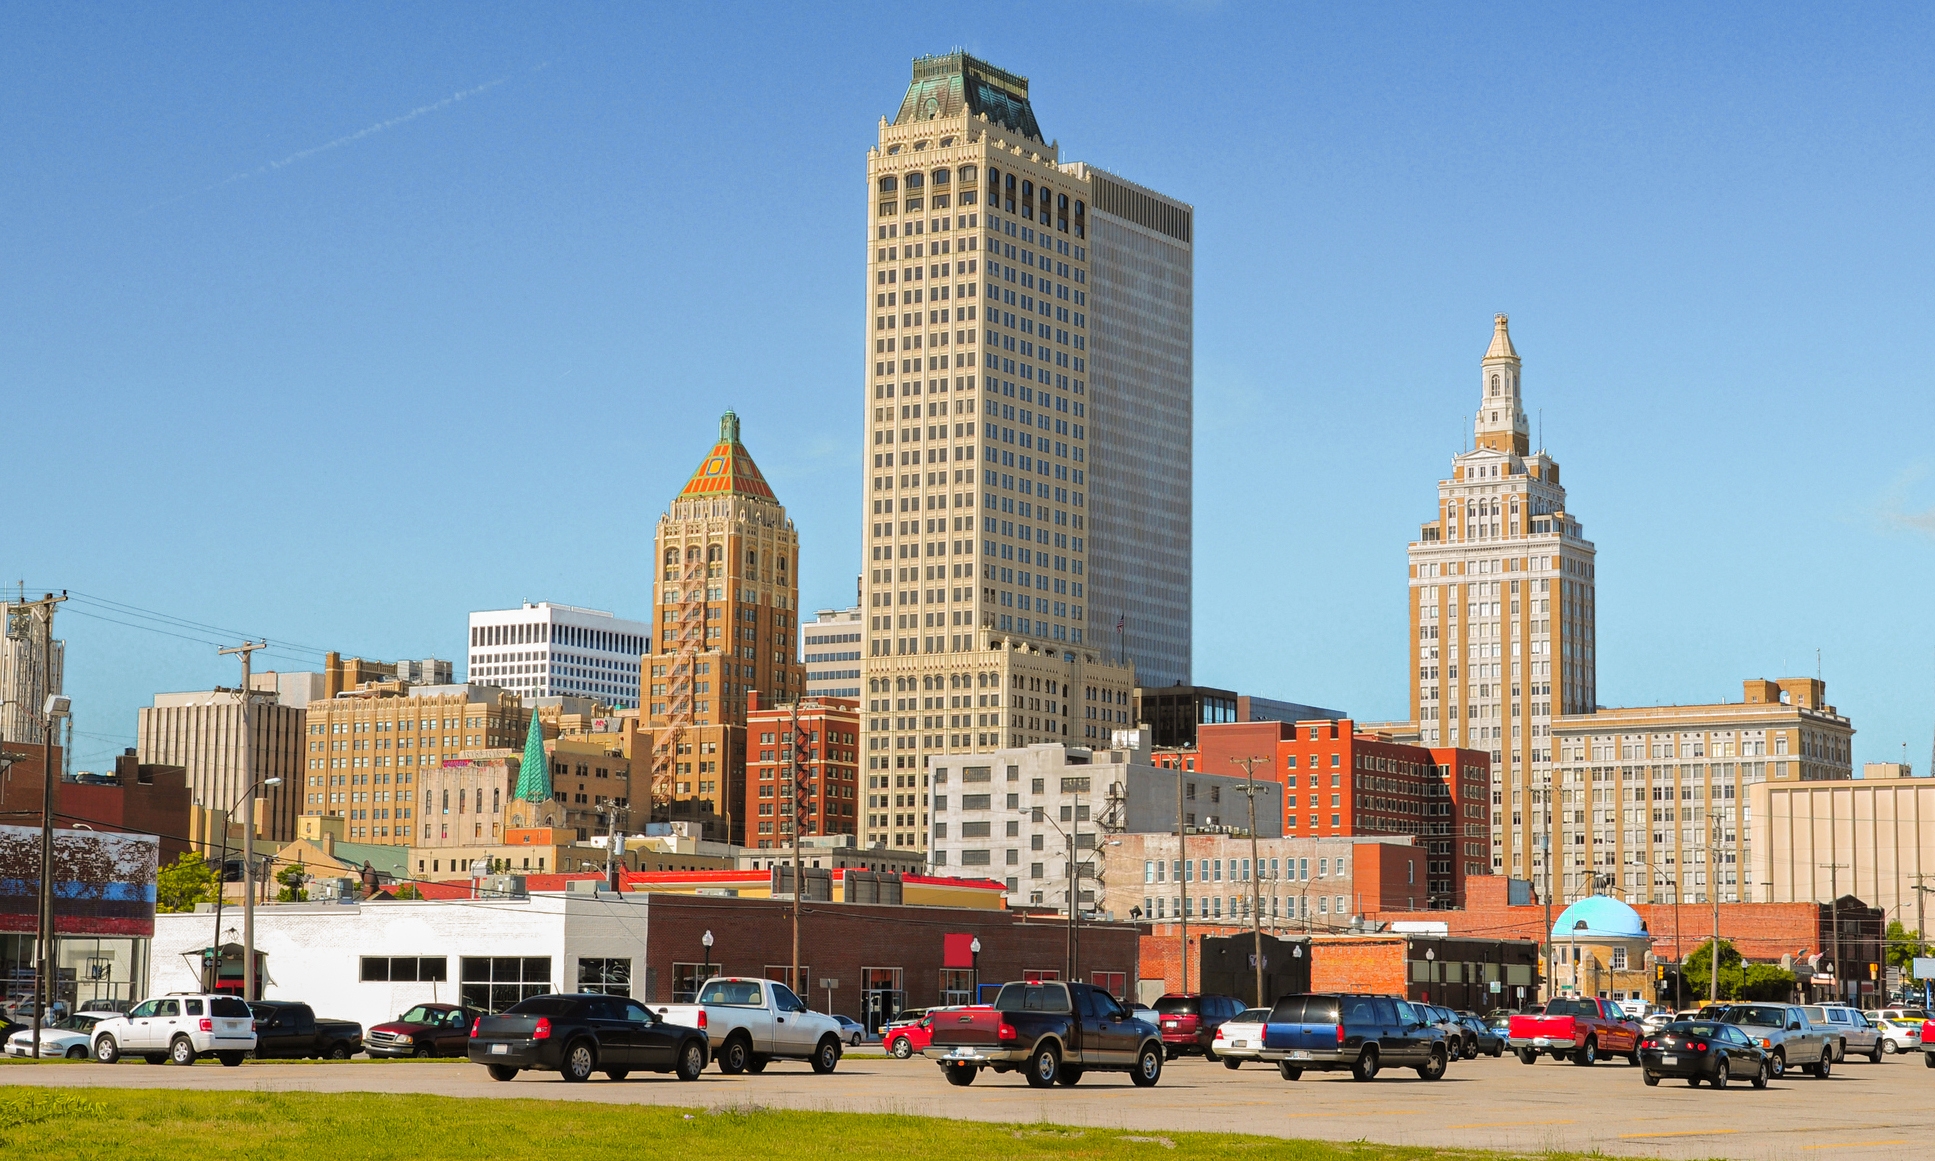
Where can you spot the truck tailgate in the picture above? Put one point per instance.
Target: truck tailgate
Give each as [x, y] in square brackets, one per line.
[1550, 1027]
[973, 1027]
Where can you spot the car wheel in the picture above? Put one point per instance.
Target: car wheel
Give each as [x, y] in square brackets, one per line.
[1232, 1063]
[182, 1051]
[756, 1063]
[231, 1059]
[1652, 1079]
[76, 1053]
[1874, 1054]
[691, 1060]
[580, 1061]
[1498, 1050]
[339, 1052]
[1888, 1047]
[826, 1055]
[1527, 1056]
[1148, 1066]
[155, 1057]
[959, 1075]
[901, 1049]
[1825, 1066]
[423, 1052]
[106, 1051]
[1433, 1068]
[617, 1073]
[1289, 1071]
[734, 1055]
[1760, 1077]
[1840, 1052]
[1209, 1054]
[1632, 1058]
[1693, 1082]
[1720, 1071]
[502, 1072]
[1588, 1054]
[1928, 1058]
[1777, 1065]
[1069, 1077]
[1043, 1066]
[1365, 1067]
[853, 1041]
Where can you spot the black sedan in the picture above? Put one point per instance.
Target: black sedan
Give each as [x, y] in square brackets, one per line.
[576, 1036]
[1703, 1050]
[1488, 1039]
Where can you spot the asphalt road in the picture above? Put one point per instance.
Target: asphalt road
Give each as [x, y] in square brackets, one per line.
[1864, 1110]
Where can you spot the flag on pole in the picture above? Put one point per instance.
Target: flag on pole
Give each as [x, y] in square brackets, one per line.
[1120, 620]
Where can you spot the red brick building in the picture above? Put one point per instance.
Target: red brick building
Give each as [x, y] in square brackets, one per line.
[138, 798]
[829, 762]
[1339, 782]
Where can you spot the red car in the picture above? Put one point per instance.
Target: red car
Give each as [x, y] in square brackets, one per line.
[425, 1030]
[911, 1039]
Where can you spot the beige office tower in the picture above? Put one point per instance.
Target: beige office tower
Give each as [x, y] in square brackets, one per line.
[1027, 495]
[1502, 595]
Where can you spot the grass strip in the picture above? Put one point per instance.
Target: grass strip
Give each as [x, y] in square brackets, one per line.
[59, 1125]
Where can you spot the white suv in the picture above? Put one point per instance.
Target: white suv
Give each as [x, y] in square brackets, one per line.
[181, 1027]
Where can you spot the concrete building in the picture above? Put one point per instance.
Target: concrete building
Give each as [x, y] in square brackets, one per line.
[340, 673]
[1650, 798]
[1502, 597]
[801, 758]
[28, 651]
[367, 750]
[1019, 502]
[1880, 770]
[1173, 712]
[727, 595]
[201, 732]
[830, 646]
[548, 650]
[1010, 814]
[839, 852]
[1301, 884]
[1869, 837]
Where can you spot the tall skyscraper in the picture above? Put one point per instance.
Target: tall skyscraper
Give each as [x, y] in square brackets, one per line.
[1502, 597]
[727, 594]
[1020, 503]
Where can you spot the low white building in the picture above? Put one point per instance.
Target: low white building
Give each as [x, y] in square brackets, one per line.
[547, 650]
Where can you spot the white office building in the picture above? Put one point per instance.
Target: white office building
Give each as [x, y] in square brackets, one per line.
[830, 646]
[547, 650]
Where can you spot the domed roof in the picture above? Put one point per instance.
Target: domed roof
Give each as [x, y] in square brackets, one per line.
[1604, 917]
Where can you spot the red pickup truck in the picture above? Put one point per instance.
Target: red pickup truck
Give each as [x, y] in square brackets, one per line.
[1580, 1029]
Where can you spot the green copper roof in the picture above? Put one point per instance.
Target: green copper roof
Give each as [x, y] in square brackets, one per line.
[945, 86]
[534, 772]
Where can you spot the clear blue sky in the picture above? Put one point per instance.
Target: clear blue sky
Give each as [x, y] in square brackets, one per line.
[270, 375]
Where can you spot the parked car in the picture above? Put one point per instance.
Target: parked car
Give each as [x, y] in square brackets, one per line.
[182, 1027]
[1900, 1035]
[1240, 1037]
[904, 1040]
[292, 1031]
[750, 1022]
[855, 1032]
[1849, 1031]
[1484, 1039]
[577, 1035]
[1460, 1042]
[1501, 1024]
[1358, 1033]
[67, 1039]
[1189, 1021]
[1579, 1028]
[1052, 1032]
[1654, 1021]
[425, 1030]
[1708, 1050]
[1786, 1033]
[1912, 1015]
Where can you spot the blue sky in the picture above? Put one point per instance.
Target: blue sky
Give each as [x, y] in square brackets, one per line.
[333, 323]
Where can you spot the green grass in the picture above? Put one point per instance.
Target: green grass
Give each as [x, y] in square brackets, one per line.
[259, 1126]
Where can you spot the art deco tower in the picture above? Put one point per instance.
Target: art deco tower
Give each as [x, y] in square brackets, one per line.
[1502, 596]
[727, 595]
[1027, 439]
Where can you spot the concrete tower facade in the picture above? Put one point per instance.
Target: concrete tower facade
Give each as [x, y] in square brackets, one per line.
[1502, 600]
[726, 591]
[1027, 484]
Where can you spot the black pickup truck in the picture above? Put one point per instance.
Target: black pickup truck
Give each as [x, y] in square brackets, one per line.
[290, 1031]
[1052, 1033]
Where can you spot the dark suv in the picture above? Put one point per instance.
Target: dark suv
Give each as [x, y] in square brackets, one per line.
[1359, 1033]
[1190, 1020]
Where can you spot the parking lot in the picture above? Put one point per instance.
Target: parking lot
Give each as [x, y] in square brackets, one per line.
[1864, 1110]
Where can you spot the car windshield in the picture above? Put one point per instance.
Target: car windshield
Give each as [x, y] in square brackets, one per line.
[420, 1015]
[80, 1023]
[1756, 1017]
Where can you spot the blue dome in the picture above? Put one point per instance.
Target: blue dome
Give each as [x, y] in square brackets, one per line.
[1604, 917]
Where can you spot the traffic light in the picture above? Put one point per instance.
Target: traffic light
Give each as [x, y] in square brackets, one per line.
[1874, 970]
[1659, 972]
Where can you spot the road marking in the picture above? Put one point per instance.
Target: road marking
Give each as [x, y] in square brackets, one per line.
[1687, 1133]
[1506, 1124]
[1853, 1144]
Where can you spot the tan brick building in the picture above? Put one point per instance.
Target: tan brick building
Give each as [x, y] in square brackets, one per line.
[826, 756]
[726, 591]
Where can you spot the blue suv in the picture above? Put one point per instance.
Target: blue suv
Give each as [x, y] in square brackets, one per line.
[1360, 1033]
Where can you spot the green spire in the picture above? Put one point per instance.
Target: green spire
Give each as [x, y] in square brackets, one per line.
[534, 772]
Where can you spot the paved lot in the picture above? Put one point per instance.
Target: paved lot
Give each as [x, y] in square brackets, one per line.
[1865, 1111]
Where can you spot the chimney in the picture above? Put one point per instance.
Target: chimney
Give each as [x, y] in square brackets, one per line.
[332, 674]
[1759, 691]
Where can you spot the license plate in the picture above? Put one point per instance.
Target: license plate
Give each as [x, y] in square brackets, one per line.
[1541, 1040]
[500, 1050]
[1238, 1043]
[1669, 1060]
[1300, 1055]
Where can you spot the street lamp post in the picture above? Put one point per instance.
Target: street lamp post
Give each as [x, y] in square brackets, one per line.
[1256, 885]
[1578, 925]
[706, 972]
[1037, 814]
[974, 949]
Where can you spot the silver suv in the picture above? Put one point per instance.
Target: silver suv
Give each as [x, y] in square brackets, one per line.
[181, 1027]
[1850, 1030]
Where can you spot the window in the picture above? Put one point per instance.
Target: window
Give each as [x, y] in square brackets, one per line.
[686, 978]
[613, 977]
[405, 968]
[1619, 959]
[494, 983]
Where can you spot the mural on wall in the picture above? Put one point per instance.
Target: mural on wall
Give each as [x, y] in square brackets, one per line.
[104, 883]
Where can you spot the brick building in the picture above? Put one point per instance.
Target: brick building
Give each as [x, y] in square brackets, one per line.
[1300, 884]
[1339, 781]
[137, 798]
[828, 757]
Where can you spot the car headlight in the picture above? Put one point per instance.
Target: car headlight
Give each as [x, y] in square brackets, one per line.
[404, 1038]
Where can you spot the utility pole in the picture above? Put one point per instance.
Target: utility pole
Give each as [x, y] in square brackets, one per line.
[245, 650]
[1182, 877]
[614, 847]
[798, 885]
[1256, 887]
[1834, 920]
[52, 707]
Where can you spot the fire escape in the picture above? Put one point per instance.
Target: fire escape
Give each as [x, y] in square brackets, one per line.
[691, 641]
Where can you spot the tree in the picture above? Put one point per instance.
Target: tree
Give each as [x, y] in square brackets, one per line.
[181, 885]
[407, 891]
[294, 879]
[1763, 981]
[1698, 971]
[1903, 946]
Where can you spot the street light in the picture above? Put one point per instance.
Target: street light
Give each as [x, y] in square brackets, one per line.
[1037, 814]
[974, 948]
[248, 889]
[706, 972]
[1578, 925]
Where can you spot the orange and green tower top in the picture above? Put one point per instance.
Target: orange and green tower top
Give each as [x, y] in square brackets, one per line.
[728, 468]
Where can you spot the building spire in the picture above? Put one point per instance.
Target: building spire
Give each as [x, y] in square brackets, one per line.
[1501, 422]
[534, 771]
[1501, 339]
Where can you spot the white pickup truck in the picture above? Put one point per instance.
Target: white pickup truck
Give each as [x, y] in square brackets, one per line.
[749, 1022]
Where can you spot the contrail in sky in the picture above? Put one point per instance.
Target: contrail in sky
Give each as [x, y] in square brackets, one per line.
[305, 154]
